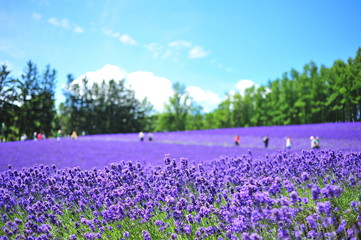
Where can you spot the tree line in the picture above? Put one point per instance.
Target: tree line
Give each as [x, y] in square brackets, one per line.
[108, 107]
[313, 95]
[27, 104]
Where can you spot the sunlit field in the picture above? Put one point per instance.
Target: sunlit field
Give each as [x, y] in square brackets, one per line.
[185, 185]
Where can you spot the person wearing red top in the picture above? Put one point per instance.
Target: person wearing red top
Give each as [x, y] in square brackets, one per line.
[40, 136]
[237, 140]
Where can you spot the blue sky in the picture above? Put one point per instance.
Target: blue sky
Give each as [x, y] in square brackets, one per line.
[210, 46]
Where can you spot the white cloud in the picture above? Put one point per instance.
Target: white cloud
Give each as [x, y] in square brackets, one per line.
[107, 73]
[154, 48]
[36, 16]
[243, 84]
[126, 39]
[176, 50]
[109, 32]
[198, 52]
[66, 24]
[116, 34]
[53, 21]
[206, 98]
[78, 30]
[180, 44]
[145, 84]
[156, 89]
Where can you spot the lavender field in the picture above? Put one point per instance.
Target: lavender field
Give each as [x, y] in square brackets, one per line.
[185, 185]
[199, 146]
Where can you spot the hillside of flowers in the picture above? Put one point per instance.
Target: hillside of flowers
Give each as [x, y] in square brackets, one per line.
[197, 146]
[274, 194]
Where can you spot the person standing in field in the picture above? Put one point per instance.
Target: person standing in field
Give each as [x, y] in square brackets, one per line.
[288, 142]
[312, 142]
[58, 135]
[24, 137]
[40, 136]
[265, 141]
[141, 136]
[150, 136]
[237, 140]
[74, 135]
[315, 142]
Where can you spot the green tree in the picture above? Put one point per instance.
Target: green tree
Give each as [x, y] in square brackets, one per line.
[176, 112]
[355, 86]
[46, 111]
[260, 116]
[195, 118]
[29, 91]
[273, 103]
[103, 108]
[223, 114]
[8, 106]
[338, 99]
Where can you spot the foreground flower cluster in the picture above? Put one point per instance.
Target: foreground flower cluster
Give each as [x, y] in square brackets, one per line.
[310, 195]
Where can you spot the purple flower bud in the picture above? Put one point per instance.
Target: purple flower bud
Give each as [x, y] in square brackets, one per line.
[159, 223]
[315, 192]
[72, 237]
[341, 227]
[126, 234]
[305, 176]
[146, 235]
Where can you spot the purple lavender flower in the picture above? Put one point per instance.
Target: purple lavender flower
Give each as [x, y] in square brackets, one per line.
[146, 235]
[341, 227]
[352, 181]
[255, 236]
[305, 176]
[331, 235]
[169, 199]
[312, 234]
[126, 235]
[45, 228]
[355, 205]
[315, 192]
[72, 237]
[89, 236]
[324, 207]
[350, 233]
[283, 234]
[159, 223]
[187, 229]
[311, 220]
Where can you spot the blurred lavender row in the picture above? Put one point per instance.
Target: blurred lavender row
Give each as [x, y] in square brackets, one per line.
[198, 146]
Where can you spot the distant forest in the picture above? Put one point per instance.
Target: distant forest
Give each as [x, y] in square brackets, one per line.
[315, 95]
